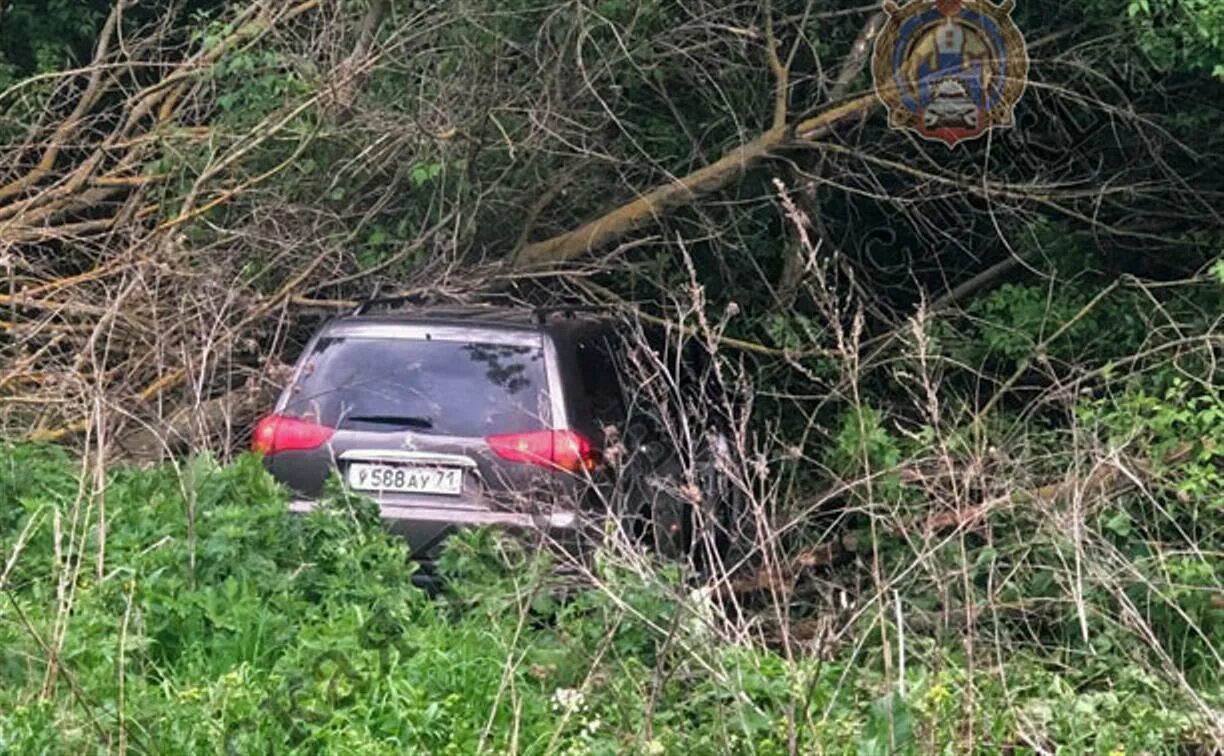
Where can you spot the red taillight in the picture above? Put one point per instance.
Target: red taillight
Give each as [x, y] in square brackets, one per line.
[276, 433]
[547, 448]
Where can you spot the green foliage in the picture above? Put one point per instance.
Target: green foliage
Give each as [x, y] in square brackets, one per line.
[255, 631]
[795, 332]
[1179, 424]
[38, 36]
[1165, 414]
[254, 84]
[864, 446]
[889, 729]
[1061, 320]
[1186, 34]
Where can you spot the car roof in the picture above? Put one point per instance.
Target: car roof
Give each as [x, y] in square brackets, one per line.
[481, 316]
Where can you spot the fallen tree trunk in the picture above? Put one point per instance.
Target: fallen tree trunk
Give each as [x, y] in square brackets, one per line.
[781, 135]
[664, 198]
[197, 425]
[1107, 479]
[681, 191]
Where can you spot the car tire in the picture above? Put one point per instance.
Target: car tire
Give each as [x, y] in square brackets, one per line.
[674, 529]
[670, 527]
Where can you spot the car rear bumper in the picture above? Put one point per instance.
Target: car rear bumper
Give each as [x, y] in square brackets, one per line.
[468, 517]
[425, 526]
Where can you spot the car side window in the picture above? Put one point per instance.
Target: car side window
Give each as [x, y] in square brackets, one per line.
[600, 377]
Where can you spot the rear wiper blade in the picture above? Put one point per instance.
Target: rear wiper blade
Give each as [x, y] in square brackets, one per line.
[407, 421]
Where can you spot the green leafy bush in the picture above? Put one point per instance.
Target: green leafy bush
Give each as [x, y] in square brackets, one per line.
[215, 622]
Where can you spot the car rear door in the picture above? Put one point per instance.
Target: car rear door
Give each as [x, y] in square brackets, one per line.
[425, 415]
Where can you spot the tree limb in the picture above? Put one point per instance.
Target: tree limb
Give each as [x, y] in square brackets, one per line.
[662, 199]
[796, 260]
[681, 191]
[781, 72]
[1106, 479]
[351, 73]
[93, 90]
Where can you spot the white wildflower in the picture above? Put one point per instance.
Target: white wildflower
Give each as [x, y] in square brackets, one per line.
[567, 699]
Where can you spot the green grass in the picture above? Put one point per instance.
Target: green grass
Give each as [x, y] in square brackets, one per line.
[254, 631]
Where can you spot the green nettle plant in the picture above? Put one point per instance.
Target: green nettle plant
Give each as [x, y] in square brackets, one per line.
[215, 622]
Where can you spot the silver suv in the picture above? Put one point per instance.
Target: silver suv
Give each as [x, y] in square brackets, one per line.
[470, 416]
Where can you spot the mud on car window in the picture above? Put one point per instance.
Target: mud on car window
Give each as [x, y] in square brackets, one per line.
[451, 388]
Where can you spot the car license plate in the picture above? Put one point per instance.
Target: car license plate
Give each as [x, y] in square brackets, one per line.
[363, 476]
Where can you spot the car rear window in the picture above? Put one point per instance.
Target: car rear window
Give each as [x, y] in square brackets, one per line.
[451, 388]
